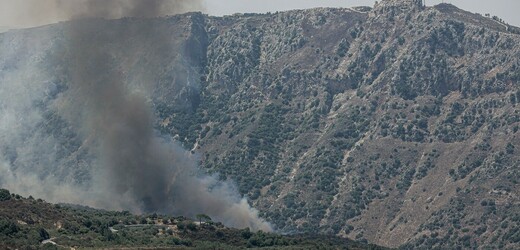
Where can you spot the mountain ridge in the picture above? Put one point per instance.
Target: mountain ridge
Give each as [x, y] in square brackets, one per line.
[392, 127]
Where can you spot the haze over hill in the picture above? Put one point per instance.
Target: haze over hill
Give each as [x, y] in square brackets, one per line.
[397, 125]
[131, 166]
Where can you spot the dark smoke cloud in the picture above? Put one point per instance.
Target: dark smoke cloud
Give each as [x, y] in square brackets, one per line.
[124, 8]
[136, 169]
[29, 13]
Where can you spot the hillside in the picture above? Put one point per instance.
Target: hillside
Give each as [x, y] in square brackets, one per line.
[36, 224]
[395, 125]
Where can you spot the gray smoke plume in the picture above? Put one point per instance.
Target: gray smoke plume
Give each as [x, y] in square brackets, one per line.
[135, 169]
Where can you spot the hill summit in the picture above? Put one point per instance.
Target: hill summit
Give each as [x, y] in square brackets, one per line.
[399, 5]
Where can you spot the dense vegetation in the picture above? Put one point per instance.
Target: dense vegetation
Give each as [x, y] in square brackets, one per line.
[340, 130]
[397, 125]
[26, 223]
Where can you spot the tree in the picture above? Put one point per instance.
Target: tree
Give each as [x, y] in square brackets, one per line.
[8, 227]
[44, 235]
[4, 195]
[202, 217]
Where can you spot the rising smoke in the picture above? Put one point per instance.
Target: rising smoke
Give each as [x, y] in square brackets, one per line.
[134, 168]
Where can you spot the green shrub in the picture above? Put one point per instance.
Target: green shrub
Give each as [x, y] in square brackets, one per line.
[174, 241]
[192, 226]
[44, 235]
[8, 227]
[4, 195]
[246, 234]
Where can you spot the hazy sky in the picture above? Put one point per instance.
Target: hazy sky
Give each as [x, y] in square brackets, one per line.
[13, 13]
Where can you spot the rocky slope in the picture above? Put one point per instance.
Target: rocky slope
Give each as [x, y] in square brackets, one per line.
[397, 125]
